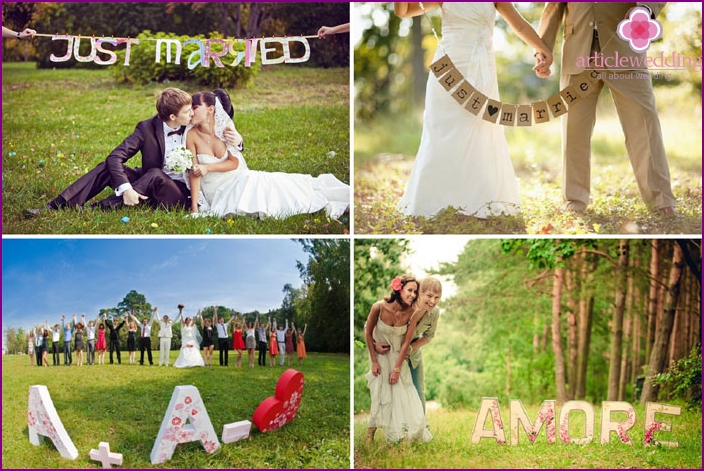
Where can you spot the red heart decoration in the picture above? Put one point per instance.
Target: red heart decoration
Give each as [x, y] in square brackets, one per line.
[276, 411]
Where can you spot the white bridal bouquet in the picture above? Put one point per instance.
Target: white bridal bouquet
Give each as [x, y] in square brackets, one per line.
[179, 160]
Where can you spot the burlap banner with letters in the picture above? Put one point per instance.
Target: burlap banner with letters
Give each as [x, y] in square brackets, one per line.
[507, 114]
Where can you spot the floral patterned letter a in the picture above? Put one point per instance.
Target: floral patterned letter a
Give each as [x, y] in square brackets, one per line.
[43, 421]
[186, 420]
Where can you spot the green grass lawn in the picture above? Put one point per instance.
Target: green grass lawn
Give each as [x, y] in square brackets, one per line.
[384, 153]
[58, 124]
[451, 446]
[124, 405]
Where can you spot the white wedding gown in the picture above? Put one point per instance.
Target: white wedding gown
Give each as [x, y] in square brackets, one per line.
[396, 409]
[463, 160]
[270, 194]
[190, 349]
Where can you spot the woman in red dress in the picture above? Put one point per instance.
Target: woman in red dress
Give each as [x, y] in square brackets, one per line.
[237, 340]
[101, 345]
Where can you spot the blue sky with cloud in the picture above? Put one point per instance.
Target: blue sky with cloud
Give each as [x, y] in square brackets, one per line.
[47, 277]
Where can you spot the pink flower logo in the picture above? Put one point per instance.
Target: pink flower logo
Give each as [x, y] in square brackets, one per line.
[639, 29]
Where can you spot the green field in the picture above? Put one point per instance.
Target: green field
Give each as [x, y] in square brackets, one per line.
[451, 446]
[124, 405]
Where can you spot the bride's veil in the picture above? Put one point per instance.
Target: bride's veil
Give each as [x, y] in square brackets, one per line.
[196, 334]
[222, 120]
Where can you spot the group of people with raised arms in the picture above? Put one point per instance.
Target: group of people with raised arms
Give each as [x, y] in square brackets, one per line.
[396, 330]
[101, 334]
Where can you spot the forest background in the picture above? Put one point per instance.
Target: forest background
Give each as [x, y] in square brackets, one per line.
[572, 319]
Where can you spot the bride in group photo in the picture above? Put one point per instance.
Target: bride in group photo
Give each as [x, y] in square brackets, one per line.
[189, 355]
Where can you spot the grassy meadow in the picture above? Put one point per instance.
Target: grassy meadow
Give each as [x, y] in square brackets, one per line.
[124, 405]
[451, 446]
[58, 124]
[384, 152]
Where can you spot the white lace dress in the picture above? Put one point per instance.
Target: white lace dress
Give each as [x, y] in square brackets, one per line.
[396, 409]
[462, 161]
[190, 348]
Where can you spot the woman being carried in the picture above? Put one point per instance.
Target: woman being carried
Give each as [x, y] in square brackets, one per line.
[229, 187]
[396, 407]
[190, 344]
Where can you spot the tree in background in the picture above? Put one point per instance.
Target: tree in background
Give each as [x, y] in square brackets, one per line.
[326, 276]
[136, 304]
[497, 335]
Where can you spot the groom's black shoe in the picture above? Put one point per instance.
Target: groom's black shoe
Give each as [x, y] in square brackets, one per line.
[32, 213]
[56, 203]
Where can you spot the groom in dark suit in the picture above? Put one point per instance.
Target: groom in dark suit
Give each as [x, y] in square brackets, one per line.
[153, 184]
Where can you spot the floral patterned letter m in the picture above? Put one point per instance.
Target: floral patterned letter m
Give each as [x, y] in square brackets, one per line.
[186, 420]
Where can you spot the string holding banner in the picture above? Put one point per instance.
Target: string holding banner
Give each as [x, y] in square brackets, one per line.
[506, 114]
[208, 50]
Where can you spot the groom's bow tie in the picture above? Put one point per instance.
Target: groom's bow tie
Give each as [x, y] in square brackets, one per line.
[179, 131]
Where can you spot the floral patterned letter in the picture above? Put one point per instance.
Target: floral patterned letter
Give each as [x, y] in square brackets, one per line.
[489, 404]
[44, 421]
[186, 420]
[652, 426]
[588, 422]
[621, 428]
[546, 416]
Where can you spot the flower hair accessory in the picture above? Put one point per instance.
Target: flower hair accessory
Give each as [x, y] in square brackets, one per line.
[396, 284]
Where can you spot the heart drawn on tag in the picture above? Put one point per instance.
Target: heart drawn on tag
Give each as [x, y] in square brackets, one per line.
[276, 411]
[492, 110]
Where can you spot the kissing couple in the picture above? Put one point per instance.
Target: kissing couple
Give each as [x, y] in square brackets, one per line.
[218, 181]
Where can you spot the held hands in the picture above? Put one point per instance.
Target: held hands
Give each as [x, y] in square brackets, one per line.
[543, 61]
[131, 198]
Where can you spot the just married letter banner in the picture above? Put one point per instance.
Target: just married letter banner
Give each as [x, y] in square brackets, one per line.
[219, 52]
[508, 114]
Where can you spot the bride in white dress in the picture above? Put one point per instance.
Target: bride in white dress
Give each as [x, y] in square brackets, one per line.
[395, 405]
[190, 345]
[225, 185]
[463, 160]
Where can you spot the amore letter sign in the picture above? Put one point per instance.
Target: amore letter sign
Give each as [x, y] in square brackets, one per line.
[546, 416]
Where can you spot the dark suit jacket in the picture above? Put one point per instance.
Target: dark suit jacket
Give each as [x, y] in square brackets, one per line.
[148, 137]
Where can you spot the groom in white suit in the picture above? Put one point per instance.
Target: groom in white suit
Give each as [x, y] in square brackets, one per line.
[165, 335]
[590, 28]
